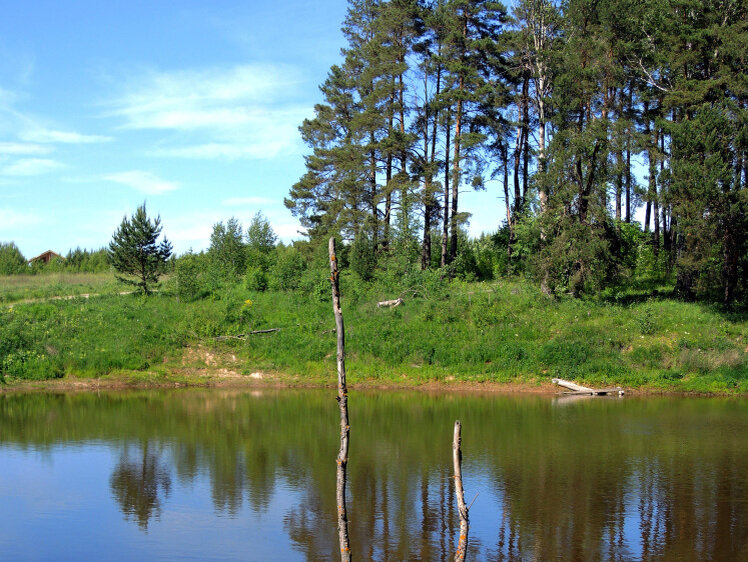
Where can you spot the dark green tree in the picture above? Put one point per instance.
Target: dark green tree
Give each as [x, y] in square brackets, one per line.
[11, 259]
[136, 252]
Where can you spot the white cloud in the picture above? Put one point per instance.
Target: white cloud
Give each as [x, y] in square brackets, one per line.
[12, 219]
[289, 231]
[52, 136]
[145, 182]
[245, 111]
[247, 201]
[22, 148]
[31, 167]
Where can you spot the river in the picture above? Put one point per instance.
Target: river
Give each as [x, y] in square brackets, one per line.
[216, 474]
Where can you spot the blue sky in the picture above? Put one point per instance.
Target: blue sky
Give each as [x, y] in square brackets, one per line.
[192, 107]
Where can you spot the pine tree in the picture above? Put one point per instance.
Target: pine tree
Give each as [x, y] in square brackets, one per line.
[134, 250]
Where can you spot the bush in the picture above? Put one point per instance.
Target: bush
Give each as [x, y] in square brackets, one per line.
[190, 277]
[256, 279]
[11, 259]
[286, 272]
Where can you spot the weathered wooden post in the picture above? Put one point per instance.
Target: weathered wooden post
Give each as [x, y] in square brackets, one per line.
[462, 543]
[345, 428]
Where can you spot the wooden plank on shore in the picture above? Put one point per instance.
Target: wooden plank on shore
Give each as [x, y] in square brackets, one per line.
[572, 386]
[580, 390]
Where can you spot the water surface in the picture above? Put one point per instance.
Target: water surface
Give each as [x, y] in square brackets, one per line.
[250, 475]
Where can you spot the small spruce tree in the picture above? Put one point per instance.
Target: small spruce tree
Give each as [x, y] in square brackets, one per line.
[134, 250]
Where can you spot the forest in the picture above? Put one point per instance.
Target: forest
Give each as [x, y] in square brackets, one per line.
[584, 112]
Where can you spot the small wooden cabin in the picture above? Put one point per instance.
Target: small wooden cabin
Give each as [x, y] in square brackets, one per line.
[46, 257]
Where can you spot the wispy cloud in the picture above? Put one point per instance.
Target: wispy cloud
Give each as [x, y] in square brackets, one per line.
[13, 219]
[145, 182]
[246, 111]
[245, 201]
[42, 135]
[16, 148]
[31, 167]
[34, 130]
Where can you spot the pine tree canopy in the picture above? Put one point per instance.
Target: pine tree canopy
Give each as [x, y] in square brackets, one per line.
[135, 251]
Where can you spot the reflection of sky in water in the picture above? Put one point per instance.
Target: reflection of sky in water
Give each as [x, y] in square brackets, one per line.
[57, 504]
[244, 477]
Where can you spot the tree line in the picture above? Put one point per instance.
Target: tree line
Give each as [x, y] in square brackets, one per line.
[584, 111]
[13, 262]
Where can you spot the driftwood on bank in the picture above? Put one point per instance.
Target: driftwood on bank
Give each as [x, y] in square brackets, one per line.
[391, 304]
[342, 460]
[462, 508]
[578, 389]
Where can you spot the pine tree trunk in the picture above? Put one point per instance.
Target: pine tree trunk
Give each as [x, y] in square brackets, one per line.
[445, 219]
[431, 206]
[628, 161]
[525, 134]
[509, 225]
[655, 203]
[373, 185]
[517, 160]
[455, 178]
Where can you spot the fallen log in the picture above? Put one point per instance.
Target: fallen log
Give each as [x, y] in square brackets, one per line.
[391, 304]
[579, 389]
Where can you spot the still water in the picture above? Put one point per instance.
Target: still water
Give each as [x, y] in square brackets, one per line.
[250, 475]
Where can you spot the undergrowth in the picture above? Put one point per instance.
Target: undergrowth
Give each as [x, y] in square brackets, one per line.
[501, 331]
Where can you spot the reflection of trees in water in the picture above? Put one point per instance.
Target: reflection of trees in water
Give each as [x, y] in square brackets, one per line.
[138, 484]
[593, 480]
[652, 492]
[703, 503]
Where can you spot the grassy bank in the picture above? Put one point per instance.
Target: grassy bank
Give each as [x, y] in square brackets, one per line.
[500, 332]
[18, 288]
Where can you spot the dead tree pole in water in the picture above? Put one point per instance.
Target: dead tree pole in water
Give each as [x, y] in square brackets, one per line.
[460, 493]
[345, 428]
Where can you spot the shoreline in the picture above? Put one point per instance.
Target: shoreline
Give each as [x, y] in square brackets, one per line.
[256, 381]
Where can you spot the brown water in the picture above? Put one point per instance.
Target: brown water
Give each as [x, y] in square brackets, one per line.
[215, 474]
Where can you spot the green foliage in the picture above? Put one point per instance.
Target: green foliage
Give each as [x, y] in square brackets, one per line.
[363, 260]
[227, 249]
[260, 235]
[11, 259]
[710, 202]
[134, 250]
[256, 279]
[190, 276]
[88, 261]
[286, 272]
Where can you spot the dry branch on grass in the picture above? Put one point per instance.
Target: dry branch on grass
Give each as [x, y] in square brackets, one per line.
[242, 336]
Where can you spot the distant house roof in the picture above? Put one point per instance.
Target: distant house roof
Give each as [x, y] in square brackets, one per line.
[46, 257]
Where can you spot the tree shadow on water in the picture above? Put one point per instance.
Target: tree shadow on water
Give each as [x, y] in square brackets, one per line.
[138, 483]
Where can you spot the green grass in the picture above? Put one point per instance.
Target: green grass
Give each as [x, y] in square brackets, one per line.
[18, 288]
[503, 331]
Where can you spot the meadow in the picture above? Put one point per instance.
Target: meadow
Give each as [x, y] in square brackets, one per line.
[503, 331]
[26, 287]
